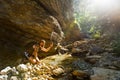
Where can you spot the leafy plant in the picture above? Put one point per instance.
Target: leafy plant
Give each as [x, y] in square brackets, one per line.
[86, 21]
[116, 44]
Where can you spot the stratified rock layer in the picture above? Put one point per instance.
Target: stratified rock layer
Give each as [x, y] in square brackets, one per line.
[26, 21]
[23, 22]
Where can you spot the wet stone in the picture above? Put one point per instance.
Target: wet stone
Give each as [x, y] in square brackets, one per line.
[81, 65]
[58, 71]
[105, 74]
[79, 73]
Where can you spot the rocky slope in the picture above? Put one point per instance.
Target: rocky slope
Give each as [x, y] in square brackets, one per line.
[59, 67]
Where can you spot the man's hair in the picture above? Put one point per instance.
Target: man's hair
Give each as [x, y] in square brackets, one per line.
[42, 41]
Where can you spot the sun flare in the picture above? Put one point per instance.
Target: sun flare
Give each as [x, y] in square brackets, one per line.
[105, 4]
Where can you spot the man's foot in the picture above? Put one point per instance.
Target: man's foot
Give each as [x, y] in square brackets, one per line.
[26, 54]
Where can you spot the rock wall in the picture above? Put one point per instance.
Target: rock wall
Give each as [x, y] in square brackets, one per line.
[24, 21]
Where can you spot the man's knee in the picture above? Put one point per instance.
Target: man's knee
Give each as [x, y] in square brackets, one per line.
[33, 61]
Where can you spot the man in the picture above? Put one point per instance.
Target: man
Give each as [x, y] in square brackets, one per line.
[42, 46]
[36, 47]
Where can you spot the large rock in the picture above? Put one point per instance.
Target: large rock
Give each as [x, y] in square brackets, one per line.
[26, 21]
[22, 68]
[105, 74]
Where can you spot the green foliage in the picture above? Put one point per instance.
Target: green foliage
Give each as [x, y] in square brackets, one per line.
[87, 22]
[97, 35]
[92, 29]
[116, 44]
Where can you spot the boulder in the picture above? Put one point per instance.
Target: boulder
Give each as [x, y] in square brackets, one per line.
[29, 21]
[6, 70]
[105, 74]
[58, 71]
[80, 74]
[14, 78]
[22, 68]
[3, 77]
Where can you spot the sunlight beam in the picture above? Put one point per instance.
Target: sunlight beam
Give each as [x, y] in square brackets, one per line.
[105, 4]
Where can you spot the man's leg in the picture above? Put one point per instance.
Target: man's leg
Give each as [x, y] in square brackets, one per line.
[32, 60]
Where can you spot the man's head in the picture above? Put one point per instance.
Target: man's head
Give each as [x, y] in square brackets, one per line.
[42, 42]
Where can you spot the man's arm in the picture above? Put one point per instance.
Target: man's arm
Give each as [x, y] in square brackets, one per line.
[46, 49]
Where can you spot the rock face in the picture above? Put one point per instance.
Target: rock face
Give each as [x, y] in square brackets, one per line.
[26, 21]
[105, 74]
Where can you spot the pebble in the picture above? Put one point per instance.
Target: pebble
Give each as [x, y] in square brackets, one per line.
[6, 70]
[22, 68]
[14, 71]
[58, 71]
[3, 77]
[13, 78]
[79, 73]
